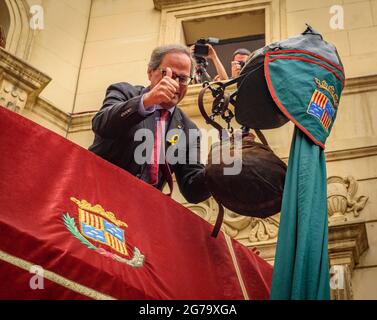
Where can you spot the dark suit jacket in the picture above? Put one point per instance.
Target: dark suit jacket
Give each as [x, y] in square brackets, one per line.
[115, 125]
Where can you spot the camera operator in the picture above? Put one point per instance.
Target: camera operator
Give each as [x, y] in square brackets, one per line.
[239, 59]
[203, 50]
[221, 73]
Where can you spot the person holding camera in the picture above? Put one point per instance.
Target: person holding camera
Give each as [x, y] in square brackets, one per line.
[221, 72]
[154, 109]
[239, 59]
[202, 51]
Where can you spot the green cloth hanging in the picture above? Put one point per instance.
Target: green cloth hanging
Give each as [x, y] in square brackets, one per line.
[301, 268]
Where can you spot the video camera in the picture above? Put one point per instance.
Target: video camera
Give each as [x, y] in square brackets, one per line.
[200, 48]
[200, 54]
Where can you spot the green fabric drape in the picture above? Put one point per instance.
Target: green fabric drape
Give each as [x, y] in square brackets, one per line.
[301, 268]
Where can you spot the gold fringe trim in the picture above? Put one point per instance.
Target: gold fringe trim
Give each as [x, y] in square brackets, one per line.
[52, 276]
[236, 266]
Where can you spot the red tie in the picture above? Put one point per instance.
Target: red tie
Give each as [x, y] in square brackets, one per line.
[158, 137]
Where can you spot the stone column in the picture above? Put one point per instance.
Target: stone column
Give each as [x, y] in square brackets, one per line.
[347, 233]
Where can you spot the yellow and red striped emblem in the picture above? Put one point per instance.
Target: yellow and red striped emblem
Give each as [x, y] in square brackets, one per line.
[96, 222]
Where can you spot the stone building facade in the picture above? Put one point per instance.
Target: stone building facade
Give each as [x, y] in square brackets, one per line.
[60, 56]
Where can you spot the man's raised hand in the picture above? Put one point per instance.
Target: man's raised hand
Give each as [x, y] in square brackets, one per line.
[163, 92]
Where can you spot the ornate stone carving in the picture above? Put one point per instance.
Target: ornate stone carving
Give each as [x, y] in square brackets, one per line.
[20, 83]
[341, 198]
[12, 97]
[264, 229]
[248, 230]
[203, 210]
[234, 223]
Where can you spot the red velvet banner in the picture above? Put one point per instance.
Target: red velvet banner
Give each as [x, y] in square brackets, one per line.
[98, 232]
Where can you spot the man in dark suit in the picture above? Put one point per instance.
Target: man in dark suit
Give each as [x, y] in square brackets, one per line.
[127, 109]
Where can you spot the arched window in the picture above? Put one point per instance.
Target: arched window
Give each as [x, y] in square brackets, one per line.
[14, 20]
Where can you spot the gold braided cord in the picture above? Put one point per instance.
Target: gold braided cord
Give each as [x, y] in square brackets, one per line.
[54, 277]
[236, 266]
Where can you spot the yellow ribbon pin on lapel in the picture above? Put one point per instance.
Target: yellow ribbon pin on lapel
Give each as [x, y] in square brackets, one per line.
[174, 139]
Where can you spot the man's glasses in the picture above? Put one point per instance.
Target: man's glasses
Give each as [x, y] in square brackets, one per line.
[183, 80]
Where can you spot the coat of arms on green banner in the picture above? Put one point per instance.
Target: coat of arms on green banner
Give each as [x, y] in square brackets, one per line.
[306, 88]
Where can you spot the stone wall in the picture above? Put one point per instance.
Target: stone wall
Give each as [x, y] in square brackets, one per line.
[58, 76]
